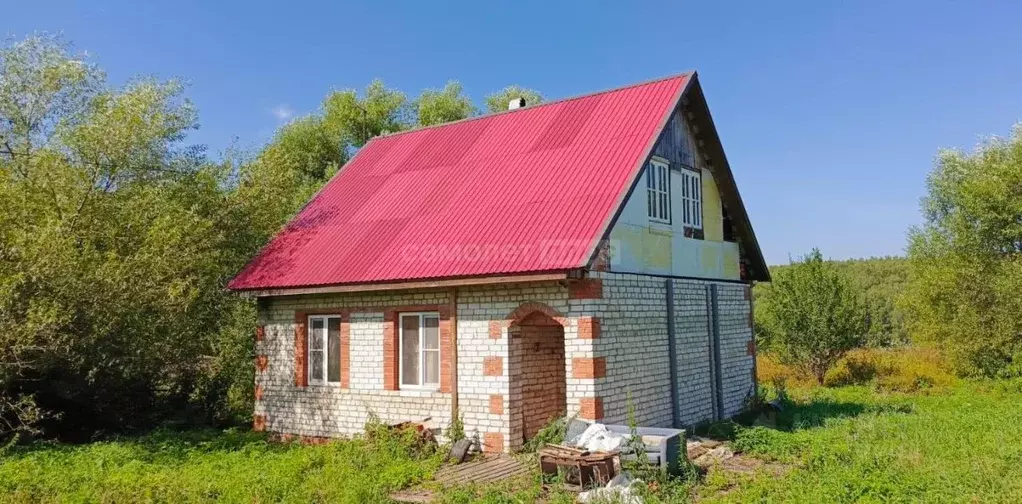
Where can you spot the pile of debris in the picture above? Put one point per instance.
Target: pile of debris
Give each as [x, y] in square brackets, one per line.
[705, 452]
[590, 459]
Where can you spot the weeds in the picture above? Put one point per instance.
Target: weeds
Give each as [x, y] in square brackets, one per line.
[456, 431]
[959, 444]
[214, 466]
[553, 432]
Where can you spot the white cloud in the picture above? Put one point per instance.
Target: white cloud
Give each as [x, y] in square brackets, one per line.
[282, 112]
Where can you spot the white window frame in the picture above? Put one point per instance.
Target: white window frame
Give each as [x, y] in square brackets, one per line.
[658, 191]
[692, 198]
[422, 385]
[326, 349]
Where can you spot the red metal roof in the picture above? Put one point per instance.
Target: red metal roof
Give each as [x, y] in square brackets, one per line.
[528, 190]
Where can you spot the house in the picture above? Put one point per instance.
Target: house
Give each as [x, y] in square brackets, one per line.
[582, 256]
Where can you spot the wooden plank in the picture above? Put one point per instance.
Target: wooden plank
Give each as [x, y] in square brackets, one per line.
[484, 471]
[461, 473]
[494, 471]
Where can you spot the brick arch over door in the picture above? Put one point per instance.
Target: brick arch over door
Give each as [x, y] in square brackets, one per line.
[530, 310]
[537, 370]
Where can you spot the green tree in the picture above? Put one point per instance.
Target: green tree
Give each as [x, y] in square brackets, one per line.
[813, 315]
[966, 259]
[356, 119]
[879, 281]
[498, 101]
[115, 243]
[438, 106]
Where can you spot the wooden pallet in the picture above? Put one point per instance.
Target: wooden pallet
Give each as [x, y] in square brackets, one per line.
[482, 470]
[486, 469]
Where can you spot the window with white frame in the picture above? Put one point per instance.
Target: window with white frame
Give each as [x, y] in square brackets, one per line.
[324, 349]
[420, 350]
[658, 191]
[691, 199]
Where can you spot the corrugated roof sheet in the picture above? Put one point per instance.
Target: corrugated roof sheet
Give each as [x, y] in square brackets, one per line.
[515, 192]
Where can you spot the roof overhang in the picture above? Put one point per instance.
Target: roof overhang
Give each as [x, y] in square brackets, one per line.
[439, 283]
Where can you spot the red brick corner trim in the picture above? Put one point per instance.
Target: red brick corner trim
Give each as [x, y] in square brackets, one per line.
[493, 366]
[588, 327]
[496, 404]
[496, 329]
[345, 350]
[493, 442]
[587, 288]
[301, 341]
[591, 408]
[390, 350]
[589, 368]
[447, 323]
[259, 423]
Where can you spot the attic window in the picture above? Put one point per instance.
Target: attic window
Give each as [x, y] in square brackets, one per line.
[658, 191]
[691, 199]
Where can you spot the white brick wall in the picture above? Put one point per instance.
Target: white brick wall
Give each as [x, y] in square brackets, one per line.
[332, 411]
[635, 342]
[735, 335]
[633, 320]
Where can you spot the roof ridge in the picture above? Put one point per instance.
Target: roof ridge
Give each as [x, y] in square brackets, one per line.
[688, 74]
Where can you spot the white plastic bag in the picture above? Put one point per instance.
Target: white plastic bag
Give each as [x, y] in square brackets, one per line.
[597, 438]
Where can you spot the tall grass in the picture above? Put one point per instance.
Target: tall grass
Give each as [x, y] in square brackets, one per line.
[211, 466]
[902, 369]
[861, 444]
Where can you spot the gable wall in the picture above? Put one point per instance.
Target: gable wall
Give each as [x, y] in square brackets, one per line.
[643, 247]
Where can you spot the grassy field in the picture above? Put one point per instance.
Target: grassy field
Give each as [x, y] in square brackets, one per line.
[853, 444]
[849, 444]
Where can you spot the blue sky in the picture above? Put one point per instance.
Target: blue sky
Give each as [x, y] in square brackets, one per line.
[830, 112]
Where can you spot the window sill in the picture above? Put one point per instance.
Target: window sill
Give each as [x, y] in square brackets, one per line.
[418, 391]
[660, 227]
[324, 385]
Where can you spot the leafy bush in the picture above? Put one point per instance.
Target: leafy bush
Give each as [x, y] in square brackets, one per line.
[813, 316]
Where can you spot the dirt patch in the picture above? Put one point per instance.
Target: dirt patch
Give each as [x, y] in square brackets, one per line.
[723, 469]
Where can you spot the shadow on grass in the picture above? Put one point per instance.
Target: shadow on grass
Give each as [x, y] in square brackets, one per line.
[796, 416]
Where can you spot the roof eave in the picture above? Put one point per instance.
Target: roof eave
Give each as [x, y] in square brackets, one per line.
[437, 283]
